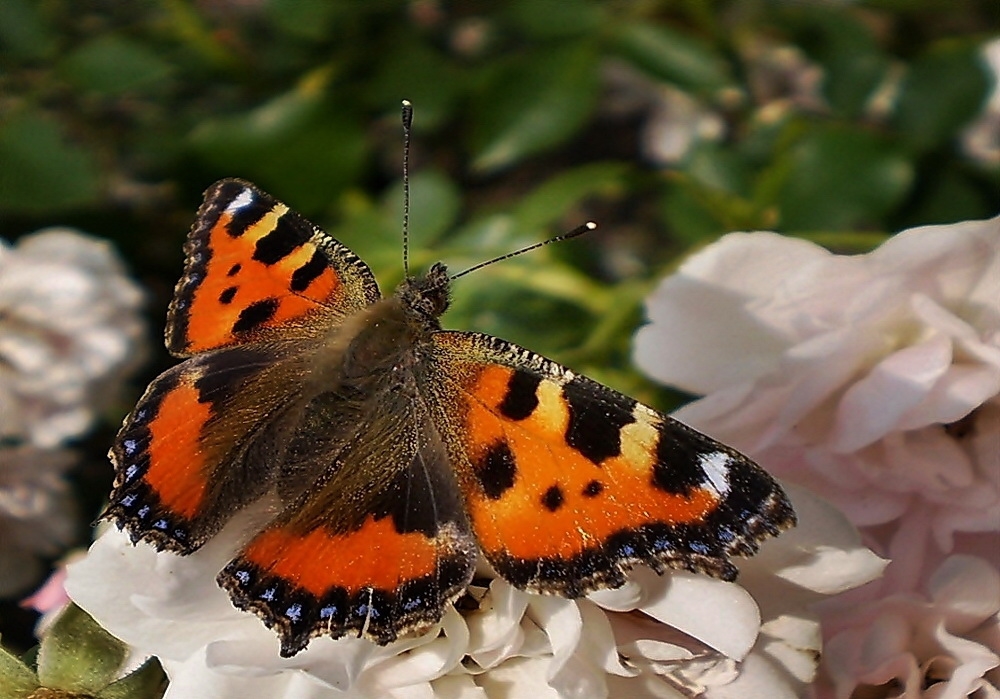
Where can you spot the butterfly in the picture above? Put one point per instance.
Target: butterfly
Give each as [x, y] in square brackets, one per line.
[399, 451]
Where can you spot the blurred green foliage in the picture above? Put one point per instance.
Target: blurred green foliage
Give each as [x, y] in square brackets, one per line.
[835, 116]
[823, 119]
[668, 122]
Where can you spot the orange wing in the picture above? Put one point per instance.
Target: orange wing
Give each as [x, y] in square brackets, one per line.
[254, 265]
[568, 484]
[375, 548]
[200, 445]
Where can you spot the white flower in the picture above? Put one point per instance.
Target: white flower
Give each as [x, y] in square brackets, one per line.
[37, 512]
[669, 636]
[69, 330]
[872, 379]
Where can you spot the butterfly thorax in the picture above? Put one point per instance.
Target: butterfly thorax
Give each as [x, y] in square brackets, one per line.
[385, 339]
[427, 297]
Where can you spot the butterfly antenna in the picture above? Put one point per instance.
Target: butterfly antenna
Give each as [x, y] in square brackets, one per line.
[407, 123]
[579, 230]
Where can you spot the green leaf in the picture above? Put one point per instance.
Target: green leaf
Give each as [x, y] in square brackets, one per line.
[685, 214]
[672, 56]
[366, 226]
[17, 680]
[148, 681]
[415, 71]
[950, 193]
[24, 30]
[77, 655]
[835, 177]
[112, 65]
[40, 169]
[719, 166]
[548, 19]
[532, 301]
[309, 19]
[435, 202]
[944, 89]
[299, 144]
[697, 212]
[550, 202]
[533, 103]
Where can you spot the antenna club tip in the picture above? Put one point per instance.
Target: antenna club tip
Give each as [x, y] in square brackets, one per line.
[407, 104]
[590, 225]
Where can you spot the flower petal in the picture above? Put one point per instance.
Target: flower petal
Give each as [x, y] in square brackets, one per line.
[725, 618]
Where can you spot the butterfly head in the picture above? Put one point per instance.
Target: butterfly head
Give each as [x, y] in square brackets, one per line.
[427, 296]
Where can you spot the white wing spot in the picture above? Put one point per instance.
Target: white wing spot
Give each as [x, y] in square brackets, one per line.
[244, 198]
[715, 464]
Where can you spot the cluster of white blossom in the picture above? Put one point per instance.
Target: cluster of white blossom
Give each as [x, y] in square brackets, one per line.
[70, 330]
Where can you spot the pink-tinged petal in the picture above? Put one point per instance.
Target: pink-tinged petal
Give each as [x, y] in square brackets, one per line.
[51, 595]
[885, 399]
[952, 398]
[824, 553]
[964, 662]
[946, 642]
[841, 353]
[749, 263]
[926, 461]
[969, 588]
[713, 323]
[964, 250]
[910, 554]
[874, 405]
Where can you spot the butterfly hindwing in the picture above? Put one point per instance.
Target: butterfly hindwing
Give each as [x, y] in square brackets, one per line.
[199, 445]
[609, 481]
[253, 266]
[376, 548]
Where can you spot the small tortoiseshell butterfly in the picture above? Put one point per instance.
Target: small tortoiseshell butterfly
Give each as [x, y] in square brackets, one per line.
[399, 450]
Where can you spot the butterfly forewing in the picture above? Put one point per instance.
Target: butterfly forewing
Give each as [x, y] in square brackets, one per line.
[201, 444]
[253, 266]
[609, 481]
